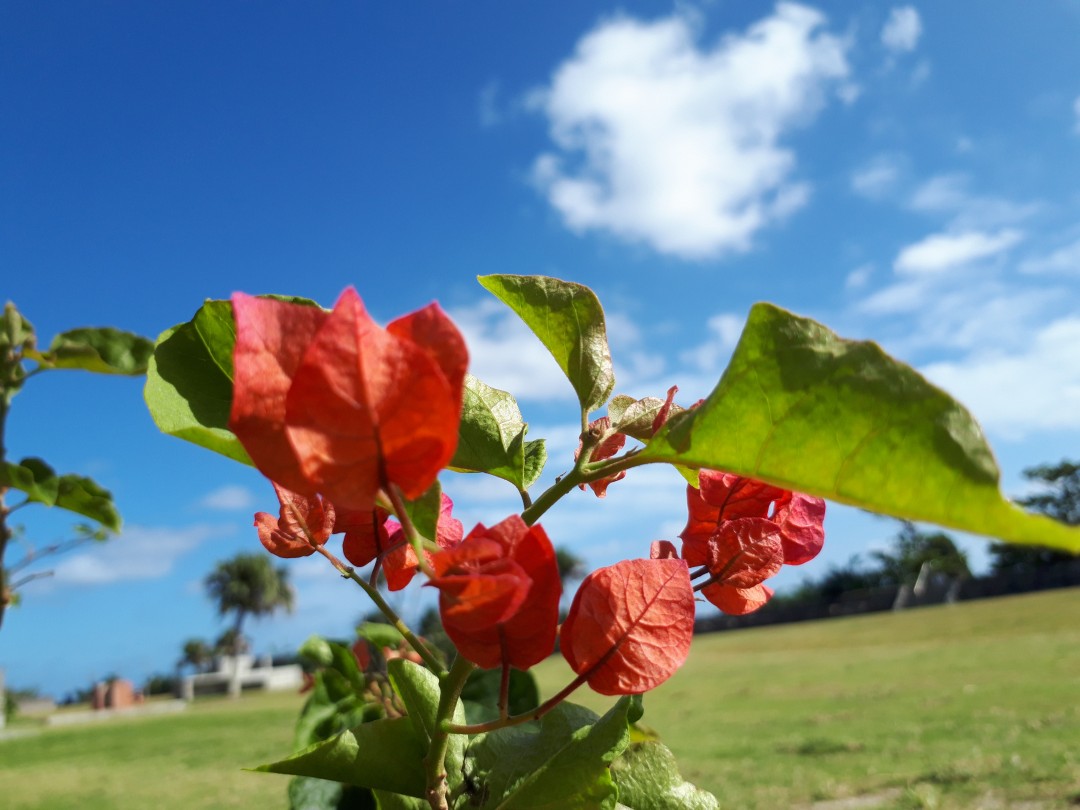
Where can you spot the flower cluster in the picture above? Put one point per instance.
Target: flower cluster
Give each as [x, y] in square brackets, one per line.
[743, 531]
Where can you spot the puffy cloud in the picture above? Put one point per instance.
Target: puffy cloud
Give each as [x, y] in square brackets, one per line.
[1018, 392]
[140, 552]
[944, 251]
[662, 141]
[230, 498]
[902, 29]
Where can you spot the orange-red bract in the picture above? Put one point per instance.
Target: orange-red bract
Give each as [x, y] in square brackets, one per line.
[499, 594]
[301, 523]
[802, 530]
[399, 563]
[271, 337]
[332, 403]
[630, 625]
[605, 450]
[737, 601]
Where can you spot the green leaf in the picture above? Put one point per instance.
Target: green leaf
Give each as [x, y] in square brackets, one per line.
[395, 801]
[103, 350]
[424, 511]
[480, 697]
[306, 793]
[420, 691]
[216, 328]
[569, 321]
[317, 650]
[491, 438]
[188, 394]
[15, 330]
[649, 779]
[189, 379]
[562, 766]
[34, 477]
[803, 409]
[381, 755]
[85, 497]
[379, 634]
[535, 458]
[75, 493]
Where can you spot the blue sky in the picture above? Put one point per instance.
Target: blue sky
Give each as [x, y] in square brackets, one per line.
[904, 173]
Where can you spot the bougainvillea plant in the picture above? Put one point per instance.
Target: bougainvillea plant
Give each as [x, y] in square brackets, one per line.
[353, 423]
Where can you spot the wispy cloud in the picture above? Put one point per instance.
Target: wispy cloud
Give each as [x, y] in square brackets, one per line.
[140, 552]
[945, 251]
[902, 29]
[1065, 261]
[1076, 115]
[877, 178]
[230, 498]
[662, 141]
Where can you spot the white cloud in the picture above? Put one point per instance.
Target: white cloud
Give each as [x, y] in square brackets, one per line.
[1065, 260]
[877, 178]
[504, 353]
[659, 140]
[230, 498]
[859, 277]
[949, 194]
[944, 251]
[1016, 393]
[139, 552]
[902, 29]
[713, 354]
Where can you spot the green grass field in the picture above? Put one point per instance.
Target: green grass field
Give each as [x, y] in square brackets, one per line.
[971, 706]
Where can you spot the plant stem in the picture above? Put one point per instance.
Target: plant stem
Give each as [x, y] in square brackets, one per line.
[452, 683]
[413, 536]
[583, 473]
[422, 650]
[525, 717]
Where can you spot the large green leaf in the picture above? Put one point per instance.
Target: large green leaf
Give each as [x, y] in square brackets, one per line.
[569, 321]
[562, 766]
[649, 779]
[382, 755]
[188, 394]
[102, 350]
[804, 409]
[491, 438]
[420, 691]
[75, 493]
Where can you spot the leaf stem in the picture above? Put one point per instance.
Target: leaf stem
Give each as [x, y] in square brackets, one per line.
[414, 641]
[435, 761]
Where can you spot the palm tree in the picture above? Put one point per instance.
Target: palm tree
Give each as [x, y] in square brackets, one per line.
[197, 654]
[248, 585]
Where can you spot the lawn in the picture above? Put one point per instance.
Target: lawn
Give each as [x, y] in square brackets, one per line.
[970, 706]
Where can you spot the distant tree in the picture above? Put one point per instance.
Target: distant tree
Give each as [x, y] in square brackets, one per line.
[912, 549]
[571, 566]
[160, 684]
[248, 585]
[1060, 500]
[431, 628]
[197, 654]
